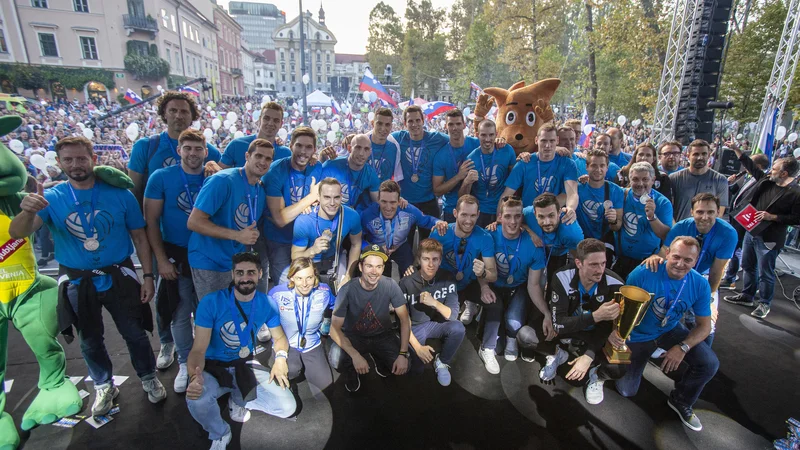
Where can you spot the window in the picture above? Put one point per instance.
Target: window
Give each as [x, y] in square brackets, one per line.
[39, 3]
[293, 78]
[319, 69]
[139, 47]
[174, 28]
[283, 57]
[283, 67]
[169, 57]
[292, 68]
[164, 18]
[291, 55]
[3, 45]
[81, 5]
[270, 75]
[283, 88]
[258, 73]
[319, 79]
[47, 43]
[327, 57]
[328, 68]
[185, 31]
[88, 47]
[283, 77]
[293, 89]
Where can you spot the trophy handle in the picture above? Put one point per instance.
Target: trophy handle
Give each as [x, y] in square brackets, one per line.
[620, 300]
[650, 302]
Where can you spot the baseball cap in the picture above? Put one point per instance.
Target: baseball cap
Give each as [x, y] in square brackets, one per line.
[374, 250]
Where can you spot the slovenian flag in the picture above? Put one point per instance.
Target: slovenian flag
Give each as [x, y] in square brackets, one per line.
[432, 109]
[585, 140]
[132, 97]
[767, 139]
[335, 108]
[370, 84]
[190, 90]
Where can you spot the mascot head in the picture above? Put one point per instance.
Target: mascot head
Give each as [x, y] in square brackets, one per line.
[13, 175]
[521, 110]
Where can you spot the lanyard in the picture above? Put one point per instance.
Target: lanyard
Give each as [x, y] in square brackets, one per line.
[415, 160]
[244, 335]
[511, 269]
[455, 252]
[86, 223]
[302, 326]
[188, 191]
[350, 184]
[333, 222]
[542, 188]
[456, 161]
[172, 148]
[390, 224]
[305, 186]
[484, 176]
[706, 242]
[666, 285]
[252, 200]
[379, 159]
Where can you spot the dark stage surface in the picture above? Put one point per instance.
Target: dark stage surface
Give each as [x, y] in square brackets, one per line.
[744, 407]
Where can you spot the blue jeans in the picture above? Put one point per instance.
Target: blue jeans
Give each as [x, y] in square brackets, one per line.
[758, 264]
[451, 333]
[516, 309]
[182, 318]
[270, 398]
[702, 361]
[93, 347]
[280, 257]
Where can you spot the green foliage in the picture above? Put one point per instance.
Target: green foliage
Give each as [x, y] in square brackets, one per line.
[480, 61]
[39, 77]
[385, 42]
[146, 67]
[173, 81]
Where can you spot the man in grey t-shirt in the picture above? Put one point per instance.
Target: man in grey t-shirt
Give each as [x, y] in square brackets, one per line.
[361, 324]
[697, 179]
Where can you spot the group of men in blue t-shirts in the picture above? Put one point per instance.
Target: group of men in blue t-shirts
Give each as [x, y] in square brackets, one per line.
[523, 244]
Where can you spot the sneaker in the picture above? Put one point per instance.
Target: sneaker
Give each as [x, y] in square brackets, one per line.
[489, 360]
[325, 328]
[594, 388]
[739, 299]
[166, 356]
[104, 399]
[238, 413]
[658, 353]
[222, 443]
[728, 284]
[511, 352]
[378, 369]
[264, 334]
[527, 356]
[182, 380]
[761, 311]
[442, 372]
[552, 362]
[155, 390]
[686, 414]
[470, 310]
[353, 382]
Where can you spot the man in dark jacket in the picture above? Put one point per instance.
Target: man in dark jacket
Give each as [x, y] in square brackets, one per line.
[776, 198]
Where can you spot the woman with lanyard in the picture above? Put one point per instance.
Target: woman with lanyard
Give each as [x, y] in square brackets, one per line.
[302, 303]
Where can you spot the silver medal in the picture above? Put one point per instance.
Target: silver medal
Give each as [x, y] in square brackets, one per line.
[664, 322]
[510, 279]
[608, 204]
[414, 178]
[460, 276]
[91, 244]
[244, 352]
[643, 199]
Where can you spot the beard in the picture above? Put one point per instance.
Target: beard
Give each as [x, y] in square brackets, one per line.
[80, 175]
[245, 287]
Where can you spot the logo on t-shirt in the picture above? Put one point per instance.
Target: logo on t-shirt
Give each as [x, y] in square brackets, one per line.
[631, 223]
[502, 263]
[368, 322]
[228, 334]
[660, 308]
[345, 194]
[184, 203]
[169, 161]
[590, 208]
[490, 174]
[544, 184]
[103, 222]
[242, 216]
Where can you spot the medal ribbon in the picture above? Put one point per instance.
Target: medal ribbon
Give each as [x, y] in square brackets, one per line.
[511, 269]
[305, 186]
[457, 258]
[244, 335]
[486, 178]
[86, 223]
[186, 186]
[252, 201]
[416, 160]
[706, 242]
[666, 285]
[302, 325]
[390, 225]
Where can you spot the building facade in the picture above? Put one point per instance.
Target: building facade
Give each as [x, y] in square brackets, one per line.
[248, 69]
[320, 55]
[229, 45]
[259, 21]
[264, 66]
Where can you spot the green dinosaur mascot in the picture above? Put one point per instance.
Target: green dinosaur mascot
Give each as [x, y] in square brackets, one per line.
[29, 300]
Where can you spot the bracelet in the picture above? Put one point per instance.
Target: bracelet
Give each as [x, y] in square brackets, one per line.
[148, 275]
[654, 218]
[281, 354]
[404, 354]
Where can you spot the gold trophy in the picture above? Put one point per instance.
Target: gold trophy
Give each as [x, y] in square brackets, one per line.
[633, 303]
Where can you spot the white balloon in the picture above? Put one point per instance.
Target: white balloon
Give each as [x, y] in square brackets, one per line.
[50, 157]
[588, 129]
[81, 125]
[780, 133]
[621, 120]
[213, 113]
[159, 88]
[294, 106]
[373, 97]
[238, 134]
[249, 106]
[227, 123]
[371, 116]
[331, 136]
[265, 99]
[739, 136]
[357, 124]
[282, 133]
[256, 116]
[232, 129]
[215, 124]
[323, 125]
[347, 123]
[208, 133]
[88, 133]
[792, 137]
[132, 132]
[16, 146]
[328, 110]
[366, 96]
[231, 116]
[306, 78]
[636, 122]
[466, 111]
[797, 153]
[39, 162]
[335, 126]
[315, 125]
[62, 112]
[195, 125]
[208, 108]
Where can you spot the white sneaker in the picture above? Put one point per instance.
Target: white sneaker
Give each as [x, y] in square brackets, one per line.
[594, 388]
[238, 413]
[552, 362]
[264, 334]
[489, 360]
[442, 372]
[104, 400]
[166, 356]
[470, 309]
[222, 443]
[511, 352]
[658, 353]
[155, 390]
[182, 380]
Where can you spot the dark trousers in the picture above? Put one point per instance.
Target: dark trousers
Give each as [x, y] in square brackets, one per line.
[385, 348]
[451, 333]
[403, 256]
[492, 313]
[625, 265]
[430, 208]
[313, 364]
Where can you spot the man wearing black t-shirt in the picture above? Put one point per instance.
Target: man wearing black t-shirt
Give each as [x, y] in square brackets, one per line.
[433, 305]
[361, 324]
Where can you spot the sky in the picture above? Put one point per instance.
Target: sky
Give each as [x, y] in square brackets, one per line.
[347, 19]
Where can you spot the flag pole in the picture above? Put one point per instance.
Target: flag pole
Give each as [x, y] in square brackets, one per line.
[303, 64]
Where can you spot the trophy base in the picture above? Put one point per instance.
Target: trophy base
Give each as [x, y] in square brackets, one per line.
[617, 355]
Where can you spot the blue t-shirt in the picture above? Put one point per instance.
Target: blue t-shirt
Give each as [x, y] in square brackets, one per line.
[354, 183]
[559, 242]
[224, 198]
[492, 173]
[377, 229]
[520, 254]
[283, 181]
[308, 227]
[446, 164]
[537, 177]
[722, 242]
[384, 158]
[479, 244]
[637, 239]
[417, 158]
[696, 294]
[237, 148]
[621, 159]
[591, 212]
[580, 164]
[116, 212]
[306, 311]
[216, 313]
[166, 155]
[167, 185]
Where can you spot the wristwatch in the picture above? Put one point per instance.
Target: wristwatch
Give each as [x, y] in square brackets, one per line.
[684, 347]
[404, 354]
[148, 275]
[654, 218]
[282, 354]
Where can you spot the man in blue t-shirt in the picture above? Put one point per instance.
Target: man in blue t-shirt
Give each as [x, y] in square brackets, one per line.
[292, 187]
[316, 235]
[269, 122]
[177, 110]
[225, 218]
[717, 243]
[359, 180]
[600, 207]
[491, 168]
[546, 172]
[92, 224]
[614, 147]
[450, 165]
[567, 139]
[168, 200]
[223, 361]
[675, 288]
[646, 219]
[558, 238]
[385, 156]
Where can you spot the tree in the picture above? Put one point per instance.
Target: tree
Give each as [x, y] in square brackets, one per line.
[385, 42]
[591, 105]
[424, 56]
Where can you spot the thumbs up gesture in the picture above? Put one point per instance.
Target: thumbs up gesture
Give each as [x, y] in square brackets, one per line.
[195, 388]
[249, 235]
[33, 203]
